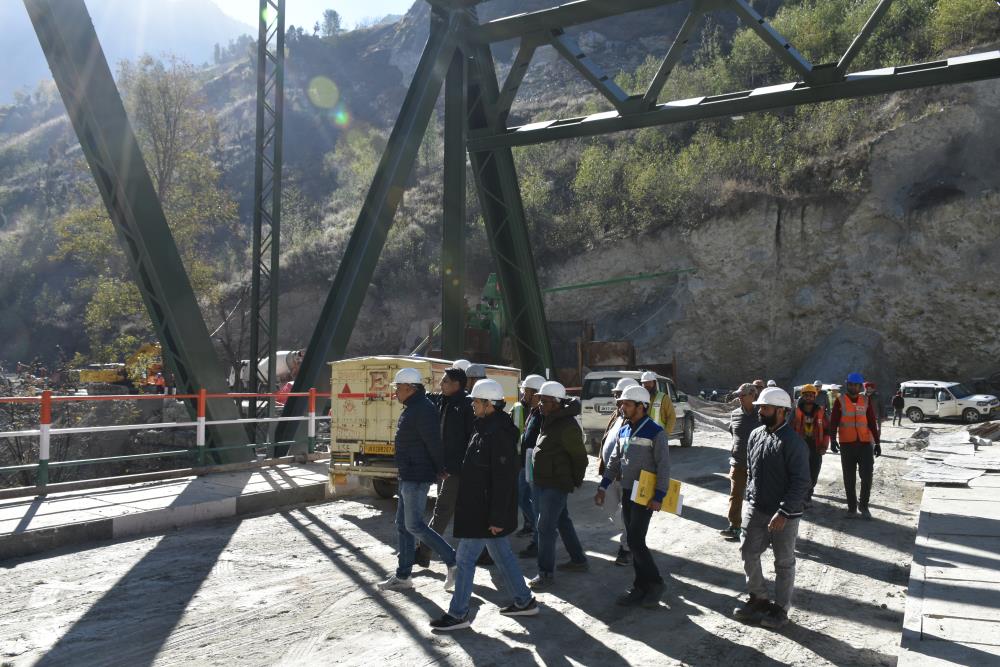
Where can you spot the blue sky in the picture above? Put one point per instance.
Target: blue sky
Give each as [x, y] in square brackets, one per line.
[306, 12]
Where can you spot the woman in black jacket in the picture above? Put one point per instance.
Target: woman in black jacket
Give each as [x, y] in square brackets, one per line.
[486, 510]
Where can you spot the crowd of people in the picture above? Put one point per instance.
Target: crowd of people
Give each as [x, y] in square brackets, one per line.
[493, 465]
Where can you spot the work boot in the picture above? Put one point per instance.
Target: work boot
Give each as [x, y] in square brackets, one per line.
[573, 566]
[632, 598]
[775, 617]
[731, 533]
[752, 610]
[530, 551]
[624, 557]
[651, 600]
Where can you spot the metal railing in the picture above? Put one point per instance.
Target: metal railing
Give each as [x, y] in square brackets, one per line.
[45, 430]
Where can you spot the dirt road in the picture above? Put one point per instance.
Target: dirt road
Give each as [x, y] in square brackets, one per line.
[298, 588]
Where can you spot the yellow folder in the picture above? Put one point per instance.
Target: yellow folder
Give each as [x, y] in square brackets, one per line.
[644, 489]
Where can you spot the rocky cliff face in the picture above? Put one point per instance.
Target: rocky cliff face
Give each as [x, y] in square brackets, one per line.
[915, 262]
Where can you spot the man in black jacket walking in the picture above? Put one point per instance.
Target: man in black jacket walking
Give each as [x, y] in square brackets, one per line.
[455, 412]
[486, 512]
[420, 461]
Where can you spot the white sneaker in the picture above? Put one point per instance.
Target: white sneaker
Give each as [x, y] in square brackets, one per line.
[449, 581]
[395, 583]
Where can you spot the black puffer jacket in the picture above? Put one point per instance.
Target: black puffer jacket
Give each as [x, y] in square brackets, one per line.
[487, 492]
[419, 455]
[457, 419]
[777, 471]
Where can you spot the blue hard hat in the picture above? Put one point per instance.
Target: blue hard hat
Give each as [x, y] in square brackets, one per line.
[855, 378]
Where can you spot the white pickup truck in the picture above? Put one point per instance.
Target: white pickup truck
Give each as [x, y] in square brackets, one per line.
[598, 405]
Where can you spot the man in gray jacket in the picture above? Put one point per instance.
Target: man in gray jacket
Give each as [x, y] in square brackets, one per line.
[742, 422]
[777, 483]
[642, 445]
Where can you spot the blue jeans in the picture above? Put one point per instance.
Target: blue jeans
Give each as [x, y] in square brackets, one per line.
[503, 556]
[411, 528]
[552, 516]
[524, 500]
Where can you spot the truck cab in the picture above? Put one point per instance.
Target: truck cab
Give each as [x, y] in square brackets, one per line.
[598, 404]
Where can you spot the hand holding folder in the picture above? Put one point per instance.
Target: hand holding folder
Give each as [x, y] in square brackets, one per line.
[644, 490]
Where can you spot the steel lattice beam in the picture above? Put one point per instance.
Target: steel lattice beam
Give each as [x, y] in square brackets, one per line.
[453, 310]
[80, 69]
[354, 275]
[265, 254]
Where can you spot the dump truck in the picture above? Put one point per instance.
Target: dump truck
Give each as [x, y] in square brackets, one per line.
[363, 414]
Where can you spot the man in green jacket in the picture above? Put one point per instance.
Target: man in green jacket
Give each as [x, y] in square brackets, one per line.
[558, 463]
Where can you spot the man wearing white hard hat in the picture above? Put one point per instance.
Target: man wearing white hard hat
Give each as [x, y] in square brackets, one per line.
[661, 409]
[420, 462]
[487, 508]
[642, 447]
[527, 419]
[608, 442]
[777, 484]
[558, 463]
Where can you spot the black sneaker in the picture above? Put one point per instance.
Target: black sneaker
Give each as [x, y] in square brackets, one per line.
[851, 513]
[526, 531]
[448, 623]
[422, 559]
[866, 514]
[775, 617]
[624, 557]
[651, 599]
[530, 551]
[530, 609]
[631, 599]
[752, 610]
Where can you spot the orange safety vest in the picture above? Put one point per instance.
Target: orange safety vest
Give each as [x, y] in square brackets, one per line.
[853, 426]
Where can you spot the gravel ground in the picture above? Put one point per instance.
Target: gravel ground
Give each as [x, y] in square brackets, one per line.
[298, 588]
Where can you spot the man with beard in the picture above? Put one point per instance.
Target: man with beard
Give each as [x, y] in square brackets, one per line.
[777, 483]
[742, 422]
[808, 422]
[855, 425]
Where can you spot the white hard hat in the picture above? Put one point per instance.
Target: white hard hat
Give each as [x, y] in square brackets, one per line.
[475, 371]
[489, 390]
[772, 383]
[624, 384]
[552, 389]
[408, 376]
[533, 382]
[648, 376]
[775, 396]
[635, 393]
[461, 364]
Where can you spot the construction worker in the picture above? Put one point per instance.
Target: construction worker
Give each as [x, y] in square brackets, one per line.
[419, 461]
[777, 482]
[642, 446]
[742, 422]
[855, 426]
[662, 408]
[822, 397]
[487, 508]
[456, 421]
[871, 391]
[810, 423]
[527, 419]
[608, 442]
[557, 465]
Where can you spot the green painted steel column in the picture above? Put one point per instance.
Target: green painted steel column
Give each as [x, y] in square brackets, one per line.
[453, 309]
[503, 213]
[354, 274]
[95, 109]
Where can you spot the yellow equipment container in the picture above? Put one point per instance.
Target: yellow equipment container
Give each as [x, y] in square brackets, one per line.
[364, 413]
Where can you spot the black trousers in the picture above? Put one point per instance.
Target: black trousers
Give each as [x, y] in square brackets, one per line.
[855, 459]
[815, 464]
[636, 519]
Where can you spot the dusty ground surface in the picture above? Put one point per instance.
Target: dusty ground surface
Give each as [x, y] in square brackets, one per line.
[298, 587]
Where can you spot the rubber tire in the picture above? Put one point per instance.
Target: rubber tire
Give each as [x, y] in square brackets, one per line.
[915, 415]
[970, 415]
[385, 488]
[687, 438]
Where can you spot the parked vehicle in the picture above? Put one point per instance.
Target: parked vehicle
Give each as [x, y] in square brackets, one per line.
[598, 404]
[944, 400]
[364, 413]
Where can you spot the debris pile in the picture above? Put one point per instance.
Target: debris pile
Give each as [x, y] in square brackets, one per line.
[952, 457]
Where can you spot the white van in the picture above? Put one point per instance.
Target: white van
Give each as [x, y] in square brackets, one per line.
[932, 398]
[598, 404]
